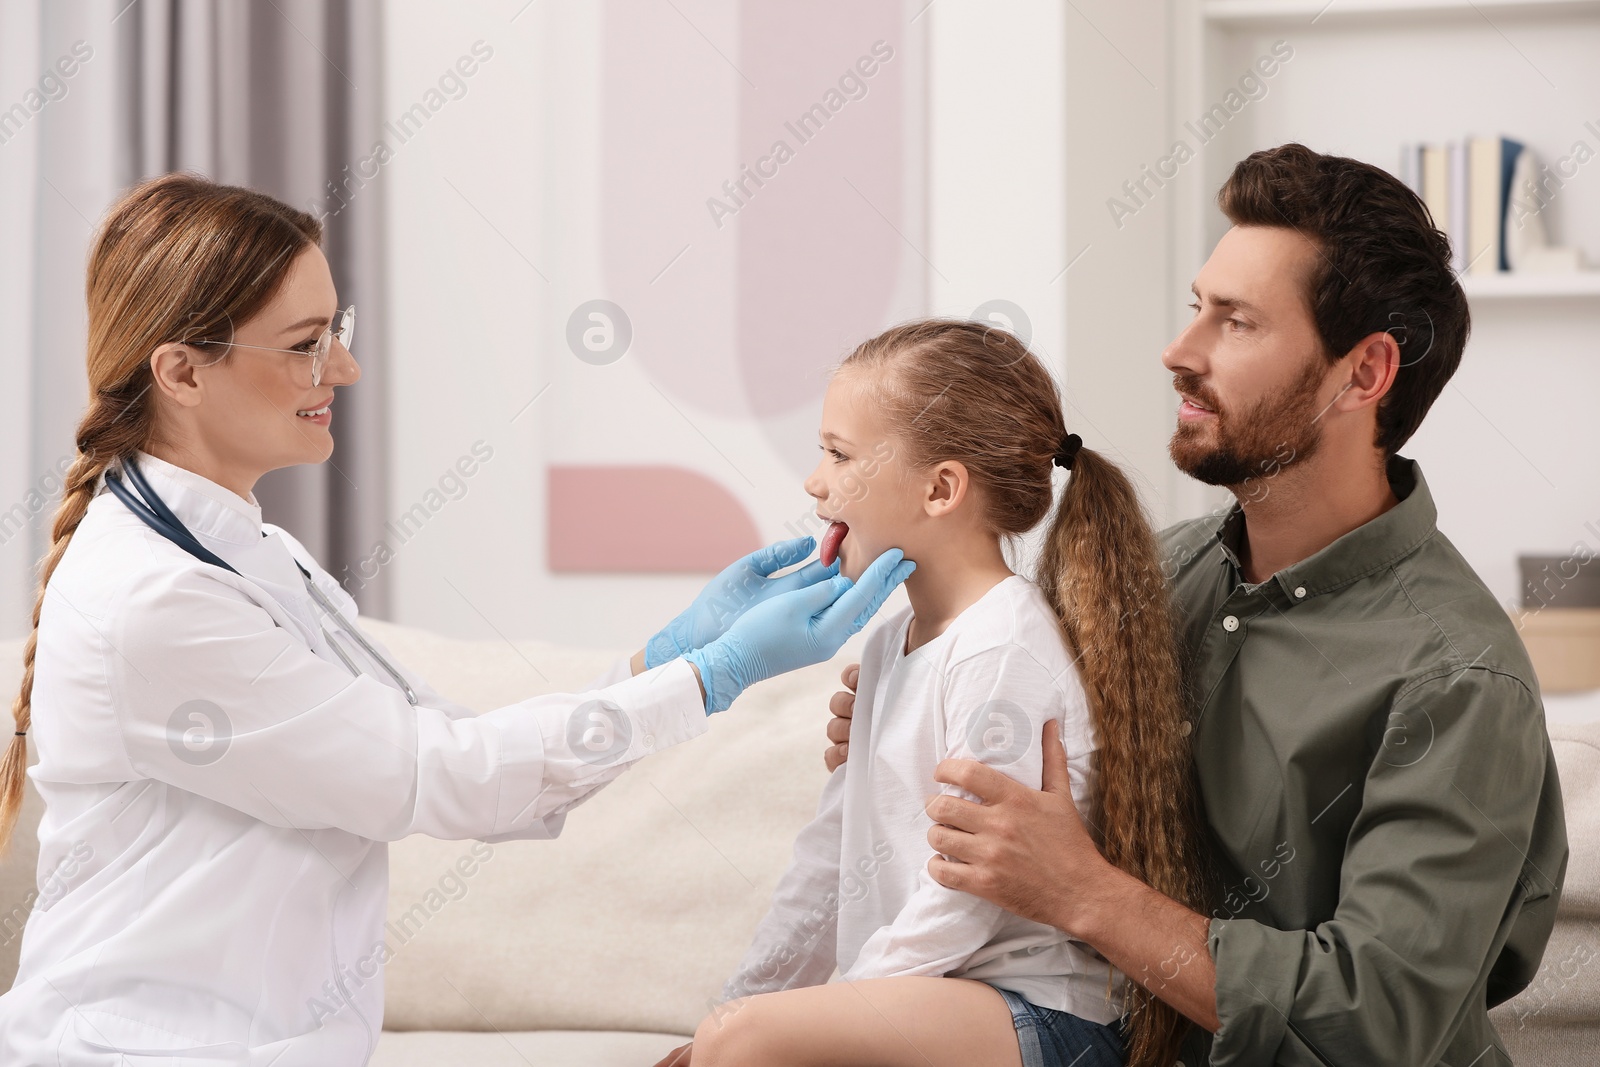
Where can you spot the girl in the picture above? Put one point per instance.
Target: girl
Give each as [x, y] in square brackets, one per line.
[941, 438]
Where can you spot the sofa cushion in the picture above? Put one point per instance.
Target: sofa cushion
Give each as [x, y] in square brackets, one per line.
[1555, 1022]
[635, 916]
[19, 874]
[549, 1048]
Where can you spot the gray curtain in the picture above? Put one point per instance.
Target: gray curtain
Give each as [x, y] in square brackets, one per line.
[283, 96]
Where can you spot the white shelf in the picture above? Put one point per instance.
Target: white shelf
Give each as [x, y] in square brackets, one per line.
[1533, 286]
[1291, 12]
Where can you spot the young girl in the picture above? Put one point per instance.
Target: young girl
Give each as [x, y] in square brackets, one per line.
[941, 438]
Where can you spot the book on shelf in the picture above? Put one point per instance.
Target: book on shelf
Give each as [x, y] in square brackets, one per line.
[1456, 164]
[1435, 189]
[1484, 193]
[1488, 174]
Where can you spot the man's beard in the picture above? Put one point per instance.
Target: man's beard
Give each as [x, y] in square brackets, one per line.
[1276, 432]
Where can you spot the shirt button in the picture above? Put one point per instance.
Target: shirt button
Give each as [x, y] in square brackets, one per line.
[1231, 623]
[1185, 727]
[1299, 591]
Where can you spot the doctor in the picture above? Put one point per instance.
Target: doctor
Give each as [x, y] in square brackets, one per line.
[222, 753]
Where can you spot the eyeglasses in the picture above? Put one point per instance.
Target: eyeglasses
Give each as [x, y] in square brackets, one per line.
[343, 327]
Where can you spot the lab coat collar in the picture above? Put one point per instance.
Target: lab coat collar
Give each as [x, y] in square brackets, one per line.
[205, 507]
[230, 526]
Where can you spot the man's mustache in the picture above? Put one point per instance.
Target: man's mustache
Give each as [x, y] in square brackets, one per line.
[1191, 386]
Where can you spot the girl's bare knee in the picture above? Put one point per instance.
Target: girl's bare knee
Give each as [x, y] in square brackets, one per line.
[725, 1038]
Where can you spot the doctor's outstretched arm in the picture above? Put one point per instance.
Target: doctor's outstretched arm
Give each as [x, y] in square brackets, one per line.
[296, 741]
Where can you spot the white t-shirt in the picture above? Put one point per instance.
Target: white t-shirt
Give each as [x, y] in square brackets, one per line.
[858, 894]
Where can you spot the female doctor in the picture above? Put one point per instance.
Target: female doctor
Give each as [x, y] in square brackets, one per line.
[222, 754]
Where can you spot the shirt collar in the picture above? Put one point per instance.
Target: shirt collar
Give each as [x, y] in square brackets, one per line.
[201, 504]
[1368, 548]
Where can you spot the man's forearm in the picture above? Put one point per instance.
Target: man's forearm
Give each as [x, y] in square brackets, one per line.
[1153, 940]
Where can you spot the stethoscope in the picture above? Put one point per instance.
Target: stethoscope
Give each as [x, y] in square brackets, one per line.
[156, 515]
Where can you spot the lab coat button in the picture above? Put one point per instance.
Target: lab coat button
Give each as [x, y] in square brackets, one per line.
[1231, 623]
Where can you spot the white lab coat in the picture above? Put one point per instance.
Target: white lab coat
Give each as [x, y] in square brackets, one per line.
[206, 898]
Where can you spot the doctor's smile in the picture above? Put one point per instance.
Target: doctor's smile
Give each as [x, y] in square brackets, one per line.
[322, 415]
[1171, 729]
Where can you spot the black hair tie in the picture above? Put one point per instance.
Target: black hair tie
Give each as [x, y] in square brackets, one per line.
[1068, 450]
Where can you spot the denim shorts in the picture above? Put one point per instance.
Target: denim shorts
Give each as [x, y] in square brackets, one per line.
[1051, 1038]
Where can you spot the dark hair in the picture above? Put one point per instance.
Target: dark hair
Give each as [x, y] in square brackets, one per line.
[969, 392]
[1384, 267]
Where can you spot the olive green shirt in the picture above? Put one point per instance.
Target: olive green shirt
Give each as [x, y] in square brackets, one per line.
[1372, 756]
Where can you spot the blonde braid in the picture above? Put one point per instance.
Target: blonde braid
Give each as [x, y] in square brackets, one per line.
[113, 427]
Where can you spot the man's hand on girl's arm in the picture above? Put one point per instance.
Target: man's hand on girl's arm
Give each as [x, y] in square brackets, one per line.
[1028, 851]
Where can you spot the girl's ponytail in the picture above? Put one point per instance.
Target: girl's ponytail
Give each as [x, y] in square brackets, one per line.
[1100, 568]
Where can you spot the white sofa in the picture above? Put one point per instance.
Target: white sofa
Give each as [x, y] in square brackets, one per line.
[605, 947]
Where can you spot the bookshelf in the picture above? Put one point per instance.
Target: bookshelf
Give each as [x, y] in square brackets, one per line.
[1269, 12]
[1506, 286]
[1509, 448]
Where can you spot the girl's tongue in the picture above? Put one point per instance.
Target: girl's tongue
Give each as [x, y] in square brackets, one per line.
[831, 540]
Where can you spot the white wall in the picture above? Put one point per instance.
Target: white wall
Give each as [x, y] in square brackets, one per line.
[1118, 88]
[465, 313]
[997, 113]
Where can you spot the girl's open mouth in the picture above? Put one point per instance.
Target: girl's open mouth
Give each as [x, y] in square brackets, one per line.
[831, 540]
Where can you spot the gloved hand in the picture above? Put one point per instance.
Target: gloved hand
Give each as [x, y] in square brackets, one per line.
[742, 585]
[794, 629]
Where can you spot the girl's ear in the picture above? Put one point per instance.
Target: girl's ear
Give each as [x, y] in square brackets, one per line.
[948, 484]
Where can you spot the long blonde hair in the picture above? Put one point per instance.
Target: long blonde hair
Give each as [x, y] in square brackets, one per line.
[178, 258]
[969, 392]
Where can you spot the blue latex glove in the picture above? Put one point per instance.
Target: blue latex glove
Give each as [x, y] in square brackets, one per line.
[794, 629]
[741, 586]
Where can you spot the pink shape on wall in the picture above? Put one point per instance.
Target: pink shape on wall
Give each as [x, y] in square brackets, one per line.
[819, 254]
[615, 520]
[669, 138]
[749, 269]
